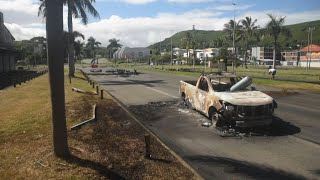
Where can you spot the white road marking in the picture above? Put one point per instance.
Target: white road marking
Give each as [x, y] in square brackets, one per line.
[305, 141]
[123, 79]
[162, 92]
[156, 90]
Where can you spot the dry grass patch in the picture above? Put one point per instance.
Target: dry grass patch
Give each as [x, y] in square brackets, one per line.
[112, 148]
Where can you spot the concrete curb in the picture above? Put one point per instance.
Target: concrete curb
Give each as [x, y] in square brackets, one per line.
[184, 163]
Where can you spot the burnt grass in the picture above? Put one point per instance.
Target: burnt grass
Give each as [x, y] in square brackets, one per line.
[114, 147]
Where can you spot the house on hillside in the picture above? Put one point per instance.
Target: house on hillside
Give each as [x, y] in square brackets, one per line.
[7, 51]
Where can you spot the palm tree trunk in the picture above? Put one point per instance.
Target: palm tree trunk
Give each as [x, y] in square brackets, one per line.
[70, 41]
[54, 27]
[274, 54]
[245, 57]
[188, 56]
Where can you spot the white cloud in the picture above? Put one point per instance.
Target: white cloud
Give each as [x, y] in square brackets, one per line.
[232, 7]
[20, 32]
[136, 31]
[20, 11]
[138, 1]
[22, 6]
[197, 1]
[291, 18]
[143, 31]
[135, 2]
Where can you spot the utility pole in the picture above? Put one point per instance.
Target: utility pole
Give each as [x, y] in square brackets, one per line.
[193, 63]
[233, 34]
[307, 61]
[171, 52]
[160, 46]
[311, 29]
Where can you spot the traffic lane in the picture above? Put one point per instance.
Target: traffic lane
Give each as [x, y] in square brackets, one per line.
[131, 92]
[306, 100]
[255, 157]
[171, 82]
[307, 119]
[299, 109]
[164, 87]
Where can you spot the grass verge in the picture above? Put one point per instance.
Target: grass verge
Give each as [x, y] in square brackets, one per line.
[112, 148]
[299, 86]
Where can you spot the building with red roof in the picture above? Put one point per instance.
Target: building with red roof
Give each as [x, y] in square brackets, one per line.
[310, 52]
[312, 48]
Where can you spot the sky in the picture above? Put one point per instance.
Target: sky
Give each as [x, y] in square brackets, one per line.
[140, 23]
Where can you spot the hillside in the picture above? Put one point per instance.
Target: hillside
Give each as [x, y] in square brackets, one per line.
[299, 34]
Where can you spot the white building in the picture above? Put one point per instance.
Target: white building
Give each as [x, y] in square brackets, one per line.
[131, 53]
[264, 55]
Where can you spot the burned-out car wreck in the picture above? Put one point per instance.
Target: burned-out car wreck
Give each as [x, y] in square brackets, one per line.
[227, 99]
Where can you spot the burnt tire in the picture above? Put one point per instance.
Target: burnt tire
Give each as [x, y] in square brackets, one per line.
[215, 118]
[185, 101]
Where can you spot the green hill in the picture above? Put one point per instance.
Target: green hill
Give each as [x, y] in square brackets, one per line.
[299, 32]
[206, 38]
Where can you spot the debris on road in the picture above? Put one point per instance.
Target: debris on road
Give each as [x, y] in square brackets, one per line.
[93, 119]
[83, 91]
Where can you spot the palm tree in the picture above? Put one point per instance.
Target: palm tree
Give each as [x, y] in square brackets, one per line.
[249, 30]
[188, 43]
[78, 49]
[238, 34]
[76, 9]
[92, 44]
[113, 46]
[275, 27]
[54, 28]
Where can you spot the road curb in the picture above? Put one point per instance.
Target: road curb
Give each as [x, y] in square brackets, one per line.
[183, 162]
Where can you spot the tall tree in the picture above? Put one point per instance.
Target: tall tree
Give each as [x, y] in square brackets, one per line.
[188, 43]
[235, 27]
[78, 49]
[113, 46]
[275, 28]
[249, 31]
[54, 28]
[92, 44]
[76, 9]
[219, 42]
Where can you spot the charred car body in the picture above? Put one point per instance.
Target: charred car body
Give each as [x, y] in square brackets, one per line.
[226, 99]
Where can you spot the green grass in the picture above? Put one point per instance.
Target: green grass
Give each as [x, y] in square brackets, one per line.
[283, 72]
[25, 131]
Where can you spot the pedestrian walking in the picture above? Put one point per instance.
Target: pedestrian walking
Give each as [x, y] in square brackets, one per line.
[272, 71]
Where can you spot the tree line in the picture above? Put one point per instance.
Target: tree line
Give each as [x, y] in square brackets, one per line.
[246, 34]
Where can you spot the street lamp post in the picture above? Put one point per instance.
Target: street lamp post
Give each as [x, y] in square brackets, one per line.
[233, 34]
[171, 52]
[311, 29]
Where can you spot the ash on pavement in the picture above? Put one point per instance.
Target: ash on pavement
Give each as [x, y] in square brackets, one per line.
[157, 111]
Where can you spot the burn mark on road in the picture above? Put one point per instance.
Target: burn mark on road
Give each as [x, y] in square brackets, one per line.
[157, 111]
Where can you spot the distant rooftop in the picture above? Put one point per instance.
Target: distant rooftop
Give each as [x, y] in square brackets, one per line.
[312, 47]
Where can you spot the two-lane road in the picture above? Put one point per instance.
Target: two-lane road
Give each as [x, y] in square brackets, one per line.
[290, 154]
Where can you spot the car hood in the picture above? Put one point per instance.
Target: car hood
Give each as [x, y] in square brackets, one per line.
[247, 98]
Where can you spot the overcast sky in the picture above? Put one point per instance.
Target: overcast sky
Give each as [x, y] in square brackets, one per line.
[139, 23]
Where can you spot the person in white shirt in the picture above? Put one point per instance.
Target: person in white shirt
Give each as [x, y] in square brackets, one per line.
[272, 71]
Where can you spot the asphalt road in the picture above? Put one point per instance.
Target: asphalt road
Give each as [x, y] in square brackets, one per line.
[290, 150]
